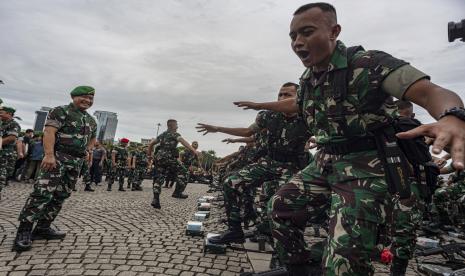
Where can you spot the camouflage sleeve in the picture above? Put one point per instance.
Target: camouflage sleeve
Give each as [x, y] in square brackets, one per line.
[13, 130]
[399, 81]
[178, 136]
[56, 117]
[260, 121]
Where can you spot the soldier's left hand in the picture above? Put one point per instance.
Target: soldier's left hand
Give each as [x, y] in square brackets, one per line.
[205, 129]
[448, 131]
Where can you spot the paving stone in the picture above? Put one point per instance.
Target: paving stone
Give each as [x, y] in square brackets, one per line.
[112, 233]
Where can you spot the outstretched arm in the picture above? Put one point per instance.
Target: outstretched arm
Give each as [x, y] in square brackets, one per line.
[249, 139]
[447, 131]
[286, 106]
[236, 131]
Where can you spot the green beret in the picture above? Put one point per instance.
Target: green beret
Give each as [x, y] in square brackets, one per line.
[82, 90]
[9, 109]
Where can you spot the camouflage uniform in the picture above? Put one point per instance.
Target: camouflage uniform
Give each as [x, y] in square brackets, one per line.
[121, 160]
[353, 182]
[75, 129]
[286, 138]
[85, 172]
[109, 178]
[190, 161]
[449, 202]
[8, 154]
[141, 168]
[166, 162]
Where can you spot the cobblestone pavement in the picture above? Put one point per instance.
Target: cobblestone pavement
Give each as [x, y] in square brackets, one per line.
[119, 233]
[114, 233]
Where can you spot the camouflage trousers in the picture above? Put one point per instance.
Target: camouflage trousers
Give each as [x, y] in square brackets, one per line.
[85, 172]
[120, 174]
[51, 189]
[406, 220]
[7, 166]
[140, 174]
[131, 177]
[353, 188]
[243, 182]
[170, 167]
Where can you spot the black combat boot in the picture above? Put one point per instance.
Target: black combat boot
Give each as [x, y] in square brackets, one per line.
[138, 187]
[23, 240]
[109, 187]
[44, 230]
[121, 188]
[88, 188]
[156, 201]
[233, 235]
[178, 194]
[398, 267]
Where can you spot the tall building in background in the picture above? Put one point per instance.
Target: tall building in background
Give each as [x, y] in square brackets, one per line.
[145, 141]
[106, 125]
[41, 116]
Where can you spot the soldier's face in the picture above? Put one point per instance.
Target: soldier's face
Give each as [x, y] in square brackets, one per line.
[173, 126]
[313, 36]
[286, 93]
[83, 102]
[5, 116]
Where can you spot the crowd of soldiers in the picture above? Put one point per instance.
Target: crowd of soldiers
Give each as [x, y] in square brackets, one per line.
[363, 181]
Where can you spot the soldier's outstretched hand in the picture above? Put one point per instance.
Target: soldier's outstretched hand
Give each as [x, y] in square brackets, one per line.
[448, 131]
[248, 105]
[205, 129]
[48, 163]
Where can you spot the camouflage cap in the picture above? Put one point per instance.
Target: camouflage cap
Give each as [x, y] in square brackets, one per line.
[82, 91]
[9, 109]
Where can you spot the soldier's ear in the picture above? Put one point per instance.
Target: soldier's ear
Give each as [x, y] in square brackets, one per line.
[335, 31]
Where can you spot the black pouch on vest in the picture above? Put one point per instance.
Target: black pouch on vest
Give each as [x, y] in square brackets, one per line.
[395, 163]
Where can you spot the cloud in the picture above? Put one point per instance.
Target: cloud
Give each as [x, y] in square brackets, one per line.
[154, 60]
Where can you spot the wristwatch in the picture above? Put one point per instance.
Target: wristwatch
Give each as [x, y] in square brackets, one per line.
[458, 112]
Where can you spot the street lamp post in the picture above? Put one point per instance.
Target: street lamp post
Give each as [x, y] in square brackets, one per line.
[158, 128]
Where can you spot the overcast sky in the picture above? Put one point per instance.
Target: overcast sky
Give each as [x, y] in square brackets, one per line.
[190, 59]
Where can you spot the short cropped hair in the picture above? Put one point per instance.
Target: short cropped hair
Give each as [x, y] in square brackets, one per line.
[326, 7]
[171, 121]
[401, 104]
[289, 84]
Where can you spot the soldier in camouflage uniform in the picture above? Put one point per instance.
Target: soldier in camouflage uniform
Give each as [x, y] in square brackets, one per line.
[286, 137]
[69, 131]
[141, 163]
[120, 164]
[449, 201]
[342, 110]
[189, 160]
[10, 130]
[131, 171]
[109, 178]
[85, 171]
[166, 161]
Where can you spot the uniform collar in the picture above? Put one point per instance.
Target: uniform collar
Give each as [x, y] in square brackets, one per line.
[337, 61]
